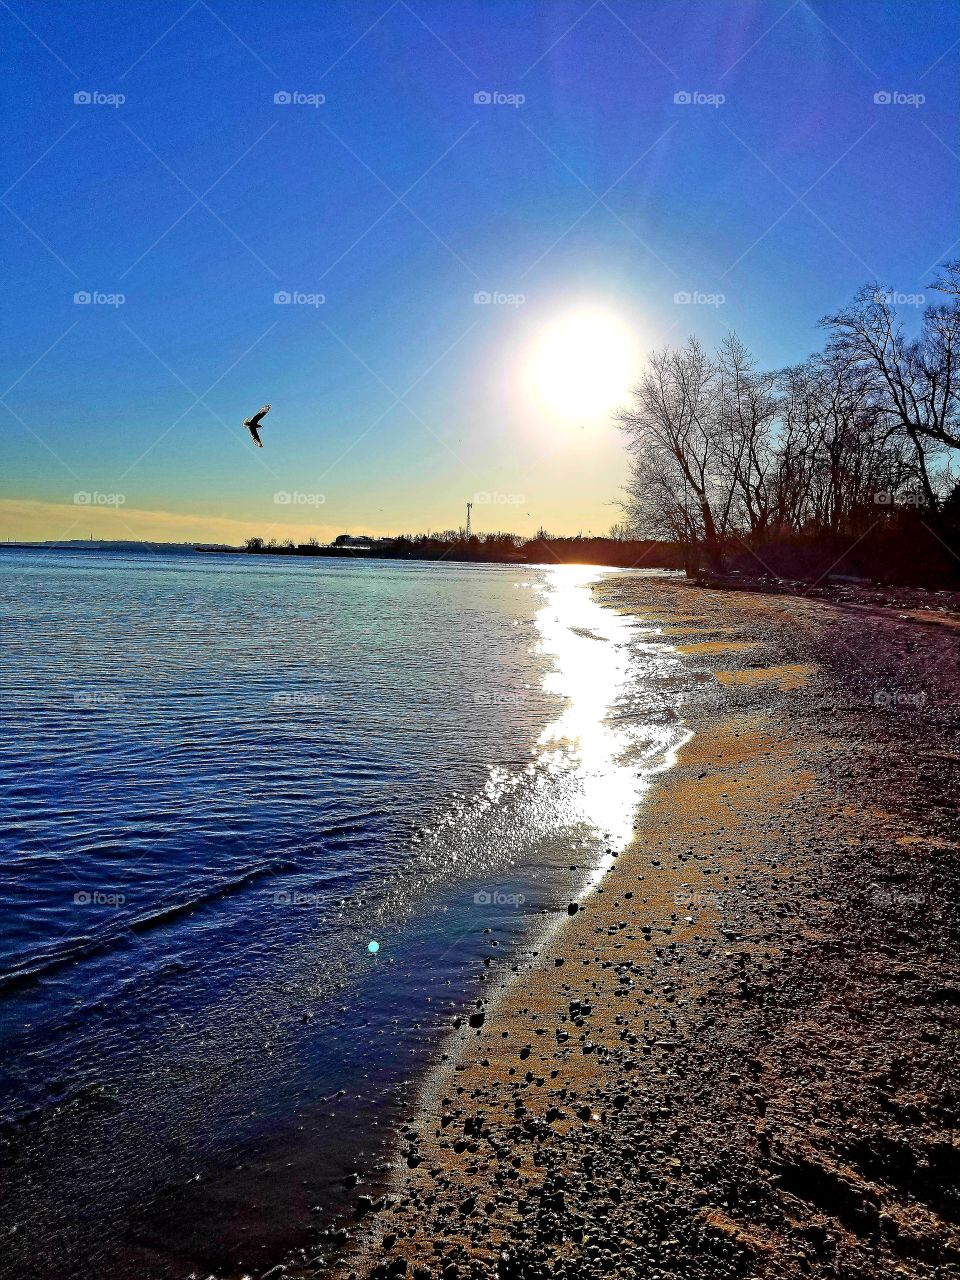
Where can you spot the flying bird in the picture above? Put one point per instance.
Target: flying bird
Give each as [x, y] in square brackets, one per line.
[253, 423]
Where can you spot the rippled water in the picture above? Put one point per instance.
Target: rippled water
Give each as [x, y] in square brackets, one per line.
[222, 778]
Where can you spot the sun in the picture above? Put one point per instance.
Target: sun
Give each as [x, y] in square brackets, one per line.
[582, 365]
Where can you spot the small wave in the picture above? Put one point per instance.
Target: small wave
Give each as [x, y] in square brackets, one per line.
[173, 911]
[69, 953]
[85, 947]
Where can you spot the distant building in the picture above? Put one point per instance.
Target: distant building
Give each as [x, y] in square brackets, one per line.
[361, 543]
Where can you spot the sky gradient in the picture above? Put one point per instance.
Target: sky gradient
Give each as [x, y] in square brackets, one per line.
[398, 199]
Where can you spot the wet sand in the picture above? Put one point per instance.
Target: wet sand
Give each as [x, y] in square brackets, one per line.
[739, 1057]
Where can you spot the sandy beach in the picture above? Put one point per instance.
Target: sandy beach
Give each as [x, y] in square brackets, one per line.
[738, 1056]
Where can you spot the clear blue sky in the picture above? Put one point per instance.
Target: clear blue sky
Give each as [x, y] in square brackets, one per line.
[398, 199]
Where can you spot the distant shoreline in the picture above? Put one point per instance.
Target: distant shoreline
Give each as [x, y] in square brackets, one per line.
[603, 552]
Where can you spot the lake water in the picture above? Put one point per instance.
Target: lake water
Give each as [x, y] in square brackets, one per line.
[224, 778]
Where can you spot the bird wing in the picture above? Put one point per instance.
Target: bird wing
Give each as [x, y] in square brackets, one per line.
[260, 415]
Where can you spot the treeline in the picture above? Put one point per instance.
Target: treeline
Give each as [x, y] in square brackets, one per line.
[508, 548]
[492, 548]
[845, 462]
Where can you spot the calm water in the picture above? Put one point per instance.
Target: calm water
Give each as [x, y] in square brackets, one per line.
[222, 779]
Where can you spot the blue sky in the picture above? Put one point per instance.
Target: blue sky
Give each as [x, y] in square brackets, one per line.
[398, 199]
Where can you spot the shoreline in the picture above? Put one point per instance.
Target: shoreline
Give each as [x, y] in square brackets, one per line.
[669, 1083]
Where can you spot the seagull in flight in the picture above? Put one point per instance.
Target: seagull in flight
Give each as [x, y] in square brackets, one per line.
[252, 423]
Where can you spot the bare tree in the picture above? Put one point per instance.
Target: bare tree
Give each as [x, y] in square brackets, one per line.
[672, 433]
[915, 380]
[722, 452]
[747, 408]
[948, 281]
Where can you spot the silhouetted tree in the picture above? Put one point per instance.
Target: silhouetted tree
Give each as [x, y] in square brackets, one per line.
[857, 436]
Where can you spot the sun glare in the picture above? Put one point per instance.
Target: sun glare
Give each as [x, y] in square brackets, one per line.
[582, 365]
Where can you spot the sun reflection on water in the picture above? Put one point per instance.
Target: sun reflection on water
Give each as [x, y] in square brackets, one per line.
[603, 711]
[598, 661]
